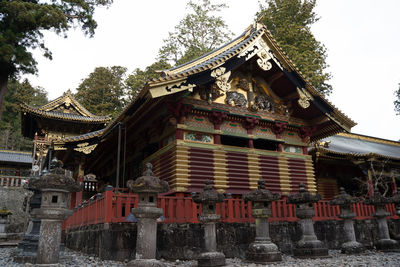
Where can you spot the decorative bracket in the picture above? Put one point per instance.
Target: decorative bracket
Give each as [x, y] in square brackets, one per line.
[217, 118]
[249, 123]
[306, 132]
[221, 78]
[278, 128]
[304, 98]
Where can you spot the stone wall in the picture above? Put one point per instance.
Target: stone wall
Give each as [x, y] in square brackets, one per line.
[185, 241]
[14, 199]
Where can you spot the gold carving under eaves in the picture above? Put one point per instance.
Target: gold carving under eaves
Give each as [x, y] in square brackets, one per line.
[304, 98]
[221, 78]
[84, 148]
[171, 89]
[263, 61]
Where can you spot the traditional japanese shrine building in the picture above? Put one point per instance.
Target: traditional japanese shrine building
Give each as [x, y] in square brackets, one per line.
[357, 162]
[60, 118]
[237, 114]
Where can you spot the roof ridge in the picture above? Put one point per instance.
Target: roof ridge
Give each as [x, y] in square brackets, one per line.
[370, 138]
[68, 99]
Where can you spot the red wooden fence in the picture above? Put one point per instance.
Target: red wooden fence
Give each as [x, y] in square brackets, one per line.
[114, 207]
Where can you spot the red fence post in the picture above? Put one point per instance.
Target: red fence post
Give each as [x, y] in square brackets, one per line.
[108, 205]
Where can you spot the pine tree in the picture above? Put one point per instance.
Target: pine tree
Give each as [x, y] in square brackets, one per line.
[198, 33]
[10, 126]
[102, 92]
[290, 22]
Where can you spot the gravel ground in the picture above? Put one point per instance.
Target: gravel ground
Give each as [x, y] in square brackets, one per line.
[369, 258]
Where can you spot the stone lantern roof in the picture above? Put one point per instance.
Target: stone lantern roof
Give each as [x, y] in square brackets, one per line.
[148, 183]
[209, 195]
[343, 199]
[303, 196]
[261, 194]
[377, 199]
[55, 179]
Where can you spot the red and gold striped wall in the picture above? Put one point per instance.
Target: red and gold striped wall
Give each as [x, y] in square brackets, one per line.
[233, 170]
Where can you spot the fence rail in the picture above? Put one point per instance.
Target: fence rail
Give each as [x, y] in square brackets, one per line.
[113, 207]
[13, 181]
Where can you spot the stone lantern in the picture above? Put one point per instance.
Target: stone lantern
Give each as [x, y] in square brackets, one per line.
[384, 243]
[55, 187]
[147, 187]
[208, 199]
[344, 201]
[396, 201]
[308, 246]
[262, 250]
[4, 214]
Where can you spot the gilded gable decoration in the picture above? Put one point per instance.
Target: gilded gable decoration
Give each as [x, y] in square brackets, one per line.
[85, 148]
[221, 78]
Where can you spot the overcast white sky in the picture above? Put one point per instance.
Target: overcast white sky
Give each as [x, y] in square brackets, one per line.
[362, 38]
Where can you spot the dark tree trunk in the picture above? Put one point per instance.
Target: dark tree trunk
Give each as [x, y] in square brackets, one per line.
[3, 90]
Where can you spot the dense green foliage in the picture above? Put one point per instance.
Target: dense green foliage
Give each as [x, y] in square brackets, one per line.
[103, 91]
[22, 23]
[289, 22]
[397, 101]
[198, 33]
[10, 126]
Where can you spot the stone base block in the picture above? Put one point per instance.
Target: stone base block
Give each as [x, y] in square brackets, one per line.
[387, 245]
[146, 263]
[210, 259]
[262, 252]
[24, 257]
[352, 247]
[310, 249]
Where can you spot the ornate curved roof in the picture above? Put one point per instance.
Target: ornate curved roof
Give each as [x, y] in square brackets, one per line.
[256, 42]
[67, 108]
[348, 144]
[249, 44]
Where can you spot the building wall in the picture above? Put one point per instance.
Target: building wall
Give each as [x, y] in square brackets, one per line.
[185, 165]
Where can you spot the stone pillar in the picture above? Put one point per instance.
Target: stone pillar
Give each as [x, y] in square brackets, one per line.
[384, 243]
[55, 187]
[344, 201]
[4, 214]
[209, 198]
[147, 187]
[262, 250]
[309, 246]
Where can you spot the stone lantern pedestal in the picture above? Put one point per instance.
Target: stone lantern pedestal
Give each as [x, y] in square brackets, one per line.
[262, 250]
[55, 187]
[27, 248]
[147, 187]
[344, 201]
[209, 198]
[4, 221]
[396, 200]
[309, 246]
[384, 243]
